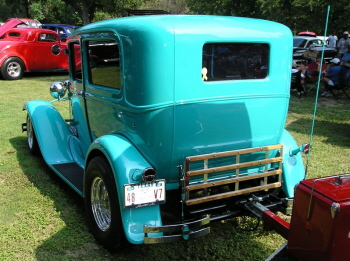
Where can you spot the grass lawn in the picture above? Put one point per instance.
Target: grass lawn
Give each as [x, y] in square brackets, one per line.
[41, 218]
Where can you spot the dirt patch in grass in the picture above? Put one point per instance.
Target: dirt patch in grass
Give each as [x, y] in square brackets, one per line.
[332, 102]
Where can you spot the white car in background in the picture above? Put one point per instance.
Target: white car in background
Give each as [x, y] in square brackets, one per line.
[301, 43]
[324, 39]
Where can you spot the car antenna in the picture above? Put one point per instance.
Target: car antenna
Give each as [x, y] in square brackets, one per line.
[317, 92]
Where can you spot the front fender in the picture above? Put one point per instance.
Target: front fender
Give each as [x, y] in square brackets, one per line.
[293, 166]
[52, 132]
[125, 160]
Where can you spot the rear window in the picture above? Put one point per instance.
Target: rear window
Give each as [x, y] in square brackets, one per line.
[47, 38]
[234, 61]
[14, 34]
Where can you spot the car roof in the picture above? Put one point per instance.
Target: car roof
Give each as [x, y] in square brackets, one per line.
[307, 33]
[29, 29]
[175, 24]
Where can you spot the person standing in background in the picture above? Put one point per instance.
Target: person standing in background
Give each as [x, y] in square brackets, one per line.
[332, 40]
[343, 43]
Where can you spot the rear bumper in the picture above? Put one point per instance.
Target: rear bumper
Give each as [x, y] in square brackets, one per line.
[178, 232]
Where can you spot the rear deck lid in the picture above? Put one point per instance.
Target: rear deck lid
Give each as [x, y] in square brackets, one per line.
[336, 188]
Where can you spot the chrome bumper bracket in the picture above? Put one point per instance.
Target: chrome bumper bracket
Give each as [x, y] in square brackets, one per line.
[178, 232]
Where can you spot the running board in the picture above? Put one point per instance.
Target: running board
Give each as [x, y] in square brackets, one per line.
[72, 173]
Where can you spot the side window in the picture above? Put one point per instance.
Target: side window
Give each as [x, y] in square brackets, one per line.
[60, 30]
[233, 61]
[47, 38]
[104, 63]
[75, 61]
[315, 42]
[318, 43]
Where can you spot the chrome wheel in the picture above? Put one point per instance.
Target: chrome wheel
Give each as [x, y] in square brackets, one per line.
[100, 204]
[14, 69]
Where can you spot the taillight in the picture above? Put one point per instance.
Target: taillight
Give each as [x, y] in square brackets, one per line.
[306, 147]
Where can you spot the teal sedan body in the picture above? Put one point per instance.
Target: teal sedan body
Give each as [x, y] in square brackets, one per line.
[175, 122]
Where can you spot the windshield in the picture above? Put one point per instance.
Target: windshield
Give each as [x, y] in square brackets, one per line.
[298, 42]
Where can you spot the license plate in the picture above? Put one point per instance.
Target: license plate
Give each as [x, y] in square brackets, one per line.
[144, 194]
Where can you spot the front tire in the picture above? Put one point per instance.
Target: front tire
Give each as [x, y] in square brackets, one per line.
[102, 205]
[31, 138]
[12, 69]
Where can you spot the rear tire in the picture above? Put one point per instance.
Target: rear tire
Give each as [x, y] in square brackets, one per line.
[102, 205]
[12, 69]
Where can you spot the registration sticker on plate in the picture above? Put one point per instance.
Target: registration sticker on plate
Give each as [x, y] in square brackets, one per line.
[144, 194]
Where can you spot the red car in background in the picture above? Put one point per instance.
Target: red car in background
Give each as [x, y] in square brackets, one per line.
[30, 49]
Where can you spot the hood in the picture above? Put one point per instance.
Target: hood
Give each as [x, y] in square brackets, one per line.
[11, 23]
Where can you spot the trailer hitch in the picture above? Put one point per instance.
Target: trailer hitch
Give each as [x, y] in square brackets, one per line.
[270, 220]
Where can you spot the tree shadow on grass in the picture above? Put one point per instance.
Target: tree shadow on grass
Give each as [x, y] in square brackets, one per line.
[334, 133]
[75, 242]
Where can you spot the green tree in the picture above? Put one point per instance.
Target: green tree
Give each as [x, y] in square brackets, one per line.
[4, 10]
[171, 6]
[301, 15]
[87, 9]
[53, 11]
[12, 8]
[246, 8]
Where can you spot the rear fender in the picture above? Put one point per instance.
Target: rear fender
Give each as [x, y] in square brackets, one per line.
[126, 161]
[293, 166]
[52, 132]
[16, 55]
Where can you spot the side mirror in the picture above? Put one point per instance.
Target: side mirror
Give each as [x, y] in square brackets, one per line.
[58, 90]
[55, 49]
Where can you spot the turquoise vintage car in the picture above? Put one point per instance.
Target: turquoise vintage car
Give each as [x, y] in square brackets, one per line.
[175, 122]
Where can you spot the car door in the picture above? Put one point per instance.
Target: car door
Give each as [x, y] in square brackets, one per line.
[103, 84]
[43, 58]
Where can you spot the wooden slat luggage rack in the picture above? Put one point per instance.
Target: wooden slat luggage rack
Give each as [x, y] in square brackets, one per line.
[234, 178]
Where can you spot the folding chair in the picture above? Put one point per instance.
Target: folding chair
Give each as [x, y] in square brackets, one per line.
[312, 80]
[339, 89]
